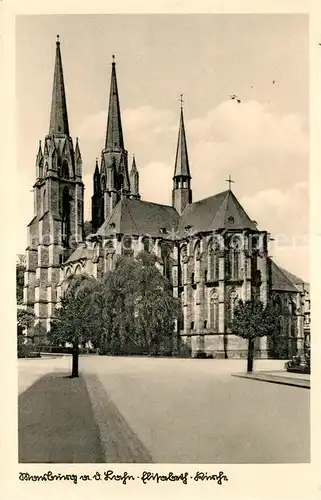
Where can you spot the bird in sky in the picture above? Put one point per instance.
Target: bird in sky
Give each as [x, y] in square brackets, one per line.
[239, 100]
[273, 82]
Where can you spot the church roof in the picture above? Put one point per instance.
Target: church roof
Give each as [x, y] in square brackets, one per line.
[292, 277]
[221, 211]
[81, 252]
[281, 280]
[138, 217]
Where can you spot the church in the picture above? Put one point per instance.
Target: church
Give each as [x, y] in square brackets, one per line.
[211, 250]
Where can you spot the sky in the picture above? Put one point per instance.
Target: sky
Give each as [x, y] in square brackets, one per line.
[262, 142]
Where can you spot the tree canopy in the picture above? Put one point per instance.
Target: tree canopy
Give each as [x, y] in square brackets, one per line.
[129, 310]
[20, 269]
[252, 319]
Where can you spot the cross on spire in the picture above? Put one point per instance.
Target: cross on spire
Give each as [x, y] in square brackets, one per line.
[113, 58]
[229, 180]
[181, 100]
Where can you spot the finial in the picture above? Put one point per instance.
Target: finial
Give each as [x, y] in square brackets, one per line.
[133, 156]
[113, 57]
[181, 100]
[229, 180]
[77, 140]
[58, 41]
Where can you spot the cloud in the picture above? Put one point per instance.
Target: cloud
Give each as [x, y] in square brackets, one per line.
[142, 122]
[285, 215]
[250, 142]
[281, 212]
[156, 182]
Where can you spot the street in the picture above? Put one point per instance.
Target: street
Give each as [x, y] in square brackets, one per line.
[185, 411]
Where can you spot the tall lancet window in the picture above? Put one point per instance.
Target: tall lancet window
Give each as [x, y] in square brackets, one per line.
[65, 170]
[213, 261]
[166, 260]
[182, 264]
[65, 217]
[214, 311]
[109, 256]
[234, 258]
[197, 258]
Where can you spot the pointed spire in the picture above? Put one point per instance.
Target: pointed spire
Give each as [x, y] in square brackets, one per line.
[58, 115]
[114, 134]
[181, 162]
[134, 164]
[96, 178]
[77, 151]
[39, 154]
[96, 172]
[134, 181]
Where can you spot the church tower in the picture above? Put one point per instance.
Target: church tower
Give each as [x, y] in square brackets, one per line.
[182, 193]
[114, 176]
[57, 226]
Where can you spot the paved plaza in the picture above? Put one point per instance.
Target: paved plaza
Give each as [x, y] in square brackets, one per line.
[159, 410]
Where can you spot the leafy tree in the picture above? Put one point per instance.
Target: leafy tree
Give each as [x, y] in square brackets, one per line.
[25, 319]
[251, 320]
[20, 269]
[76, 319]
[144, 308]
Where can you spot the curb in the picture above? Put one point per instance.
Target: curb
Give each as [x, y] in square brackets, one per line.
[274, 379]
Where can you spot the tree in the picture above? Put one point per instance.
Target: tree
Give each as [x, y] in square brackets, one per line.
[137, 307]
[76, 319]
[251, 320]
[20, 270]
[25, 319]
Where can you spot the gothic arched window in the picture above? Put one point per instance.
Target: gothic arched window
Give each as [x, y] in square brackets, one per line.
[165, 256]
[231, 303]
[213, 261]
[65, 217]
[127, 246]
[146, 244]
[214, 311]
[234, 257]
[65, 169]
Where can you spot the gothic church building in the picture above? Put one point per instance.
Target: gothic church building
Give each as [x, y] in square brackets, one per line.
[212, 252]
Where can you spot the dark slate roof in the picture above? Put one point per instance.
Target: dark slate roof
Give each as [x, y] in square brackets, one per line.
[280, 280]
[292, 277]
[81, 252]
[137, 217]
[221, 211]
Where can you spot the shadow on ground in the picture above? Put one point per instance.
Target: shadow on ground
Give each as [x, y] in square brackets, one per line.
[56, 422]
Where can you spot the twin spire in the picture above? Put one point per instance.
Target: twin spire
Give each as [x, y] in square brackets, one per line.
[114, 133]
[58, 115]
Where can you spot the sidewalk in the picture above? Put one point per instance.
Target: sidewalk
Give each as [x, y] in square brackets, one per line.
[56, 422]
[278, 377]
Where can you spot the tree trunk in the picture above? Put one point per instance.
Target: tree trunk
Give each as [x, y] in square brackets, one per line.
[75, 359]
[250, 355]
